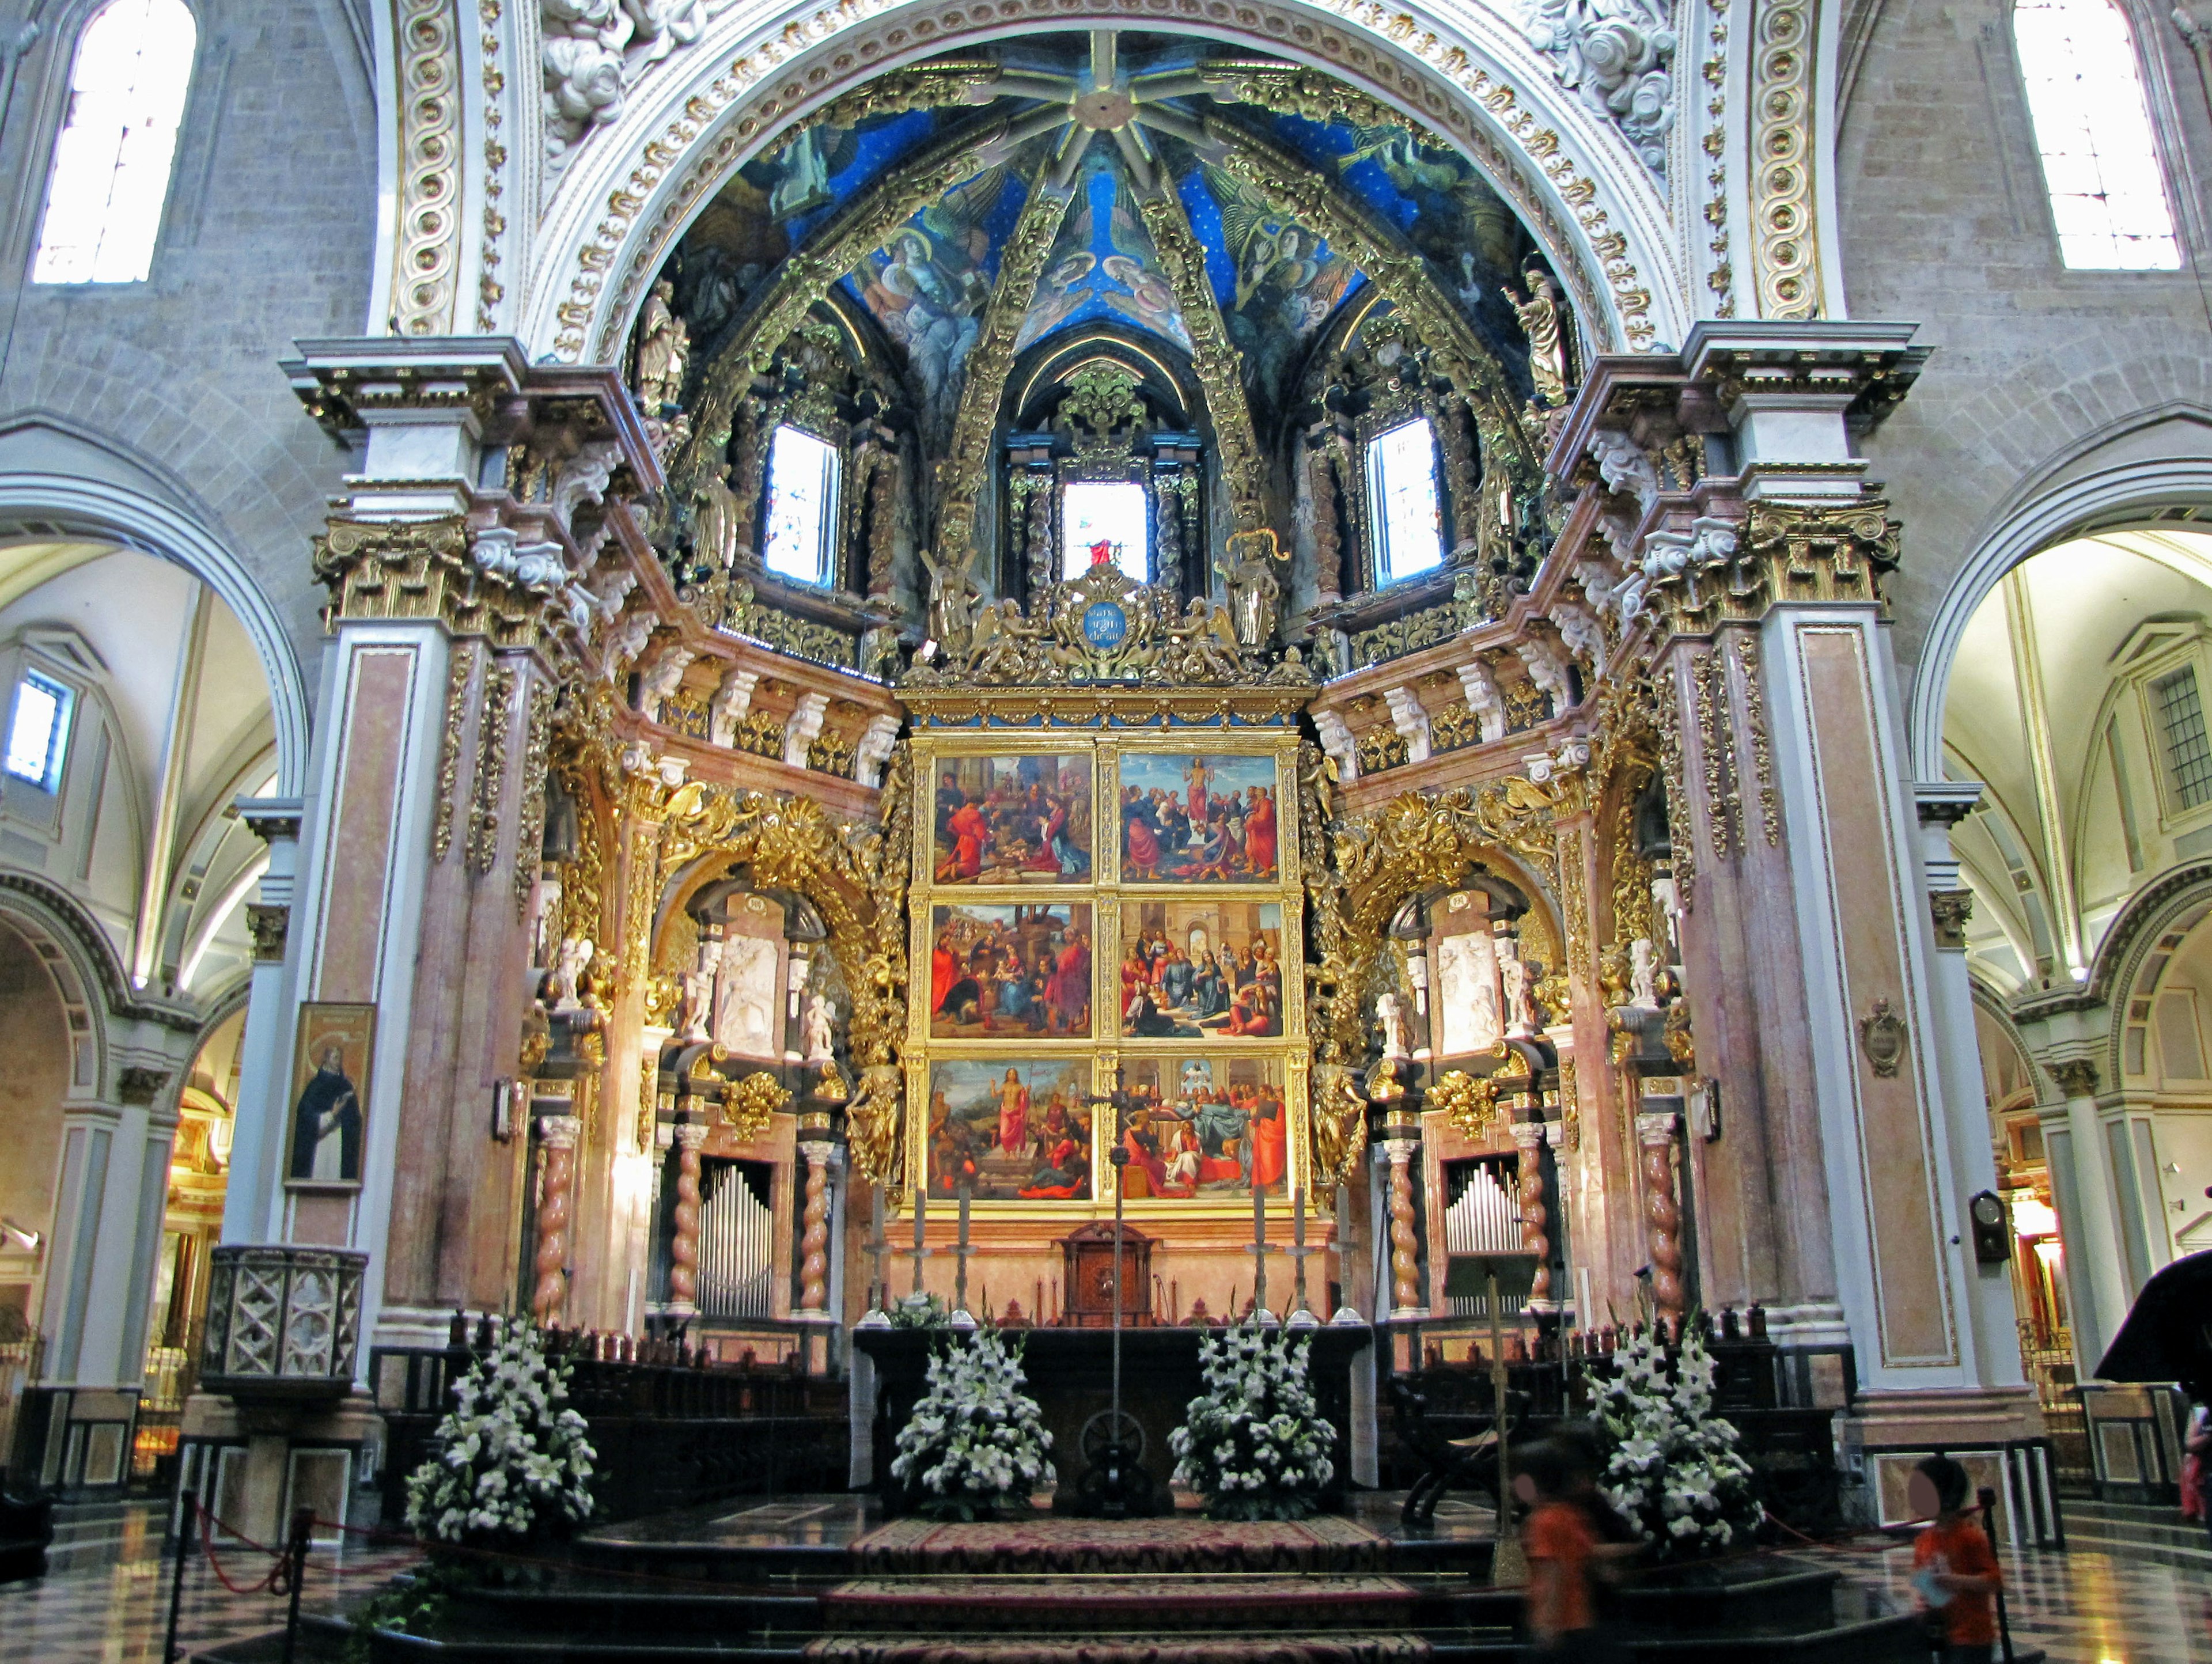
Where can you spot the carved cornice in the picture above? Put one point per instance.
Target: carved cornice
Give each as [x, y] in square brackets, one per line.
[380, 570]
[1807, 553]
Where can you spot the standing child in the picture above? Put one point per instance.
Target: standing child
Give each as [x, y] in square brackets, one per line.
[1955, 1570]
[1562, 1549]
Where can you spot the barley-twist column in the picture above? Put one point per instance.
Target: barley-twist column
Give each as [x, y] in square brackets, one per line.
[1404, 1268]
[556, 1136]
[1536, 1218]
[683, 1252]
[1663, 1214]
[814, 1243]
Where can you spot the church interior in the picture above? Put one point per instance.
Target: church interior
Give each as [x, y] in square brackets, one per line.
[1102, 805]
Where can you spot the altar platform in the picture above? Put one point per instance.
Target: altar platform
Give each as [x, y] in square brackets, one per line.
[1071, 1375]
[830, 1578]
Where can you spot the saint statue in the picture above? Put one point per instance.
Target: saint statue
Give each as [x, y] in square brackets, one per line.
[1390, 1013]
[326, 1124]
[952, 598]
[1520, 997]
[664, 350]
[1642, 975]
[1540, 322]
[576, 954]
[815, 1031]
[715, 541]
[1255, 594]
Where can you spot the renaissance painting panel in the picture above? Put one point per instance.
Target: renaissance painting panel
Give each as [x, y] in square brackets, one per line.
[1003, 971]
[1204, 1129]
[1201, 970]
[1007, 820]
[1012, 1132]
[330, 1093]
[1198, 819]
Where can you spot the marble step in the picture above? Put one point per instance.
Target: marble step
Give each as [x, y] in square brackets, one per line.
[1117, 1605]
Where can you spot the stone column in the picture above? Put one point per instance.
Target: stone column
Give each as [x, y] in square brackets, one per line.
[2089, 1223]
[814, 1242]
[1662, 1213]
[1406, 1305]
[556, 1179]
[683, 1251]
[260, 1121]
[1536, 1218]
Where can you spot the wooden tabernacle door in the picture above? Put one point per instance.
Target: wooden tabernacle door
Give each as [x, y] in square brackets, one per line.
[1088, 1302]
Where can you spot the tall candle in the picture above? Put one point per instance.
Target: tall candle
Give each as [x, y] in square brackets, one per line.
[1299, 1217]
[921, 1213]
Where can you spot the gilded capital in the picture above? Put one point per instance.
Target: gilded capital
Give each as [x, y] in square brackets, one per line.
[1950, 909]
[2077, 1076]
[379, 570]
[269, 924]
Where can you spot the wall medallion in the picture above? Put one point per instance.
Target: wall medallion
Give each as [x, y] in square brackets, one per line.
[1881, 1037]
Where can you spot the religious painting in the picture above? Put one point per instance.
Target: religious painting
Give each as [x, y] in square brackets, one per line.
[329, 1092]
[1201, 970]
[929, 282]
[1198, 819]
[1103, 266]
[1468, 1003]
[1204, 1128]
[1020, 970]
[1013, 819]
[1276, 280]
[1011, 1132]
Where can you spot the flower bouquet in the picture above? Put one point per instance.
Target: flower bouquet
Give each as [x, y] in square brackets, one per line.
[509, 1464]
[1253, 1442]
[1675, 1471]
[976, 1441]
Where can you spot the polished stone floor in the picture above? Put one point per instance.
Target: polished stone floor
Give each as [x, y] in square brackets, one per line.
[105, 1598]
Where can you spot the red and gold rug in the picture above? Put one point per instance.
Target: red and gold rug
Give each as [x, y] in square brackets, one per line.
[1178, 1545]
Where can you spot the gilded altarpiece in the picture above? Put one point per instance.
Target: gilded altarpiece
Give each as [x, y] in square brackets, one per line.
[1098, 909]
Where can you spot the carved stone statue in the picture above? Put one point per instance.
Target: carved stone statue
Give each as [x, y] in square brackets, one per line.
[664, 350]
[953, 597]
[716, 505]
[1540, 322]
[568, 971]
[1256, 596]
[1390, 1013]
[1520, 992]
[819, 1039]
[695, 1010]
[1667, 904]
[1644, 974]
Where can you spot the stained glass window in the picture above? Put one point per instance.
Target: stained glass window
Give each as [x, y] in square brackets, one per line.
[1112, 514]
[2099, 165]
[111, 171]
[1401, 493]
[802, 506]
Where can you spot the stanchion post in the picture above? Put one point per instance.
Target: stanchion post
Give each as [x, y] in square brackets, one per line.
[1988, 1499]
[296, 1550]
[188, 1522]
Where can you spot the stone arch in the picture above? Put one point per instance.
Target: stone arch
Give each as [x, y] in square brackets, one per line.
[50, 505]
[629, 189]
[87, 975]
[2137, 946]
[2094, 485]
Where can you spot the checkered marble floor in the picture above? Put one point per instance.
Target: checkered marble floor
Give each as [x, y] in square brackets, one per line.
[106, 1595]
[2081, 1608]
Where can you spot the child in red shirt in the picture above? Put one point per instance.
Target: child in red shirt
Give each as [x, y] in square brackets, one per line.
[1562, 1549]
[1955, 1570]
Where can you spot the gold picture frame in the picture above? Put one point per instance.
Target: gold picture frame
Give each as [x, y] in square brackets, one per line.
[326, 1129]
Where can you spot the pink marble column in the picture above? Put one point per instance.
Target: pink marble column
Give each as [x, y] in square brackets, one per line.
[814, 1243]
[556, 1136]
[1662, 1213]
[1404, 1268]
[683, 1252]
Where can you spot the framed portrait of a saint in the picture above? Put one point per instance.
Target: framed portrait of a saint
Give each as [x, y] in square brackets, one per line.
[330, 1094]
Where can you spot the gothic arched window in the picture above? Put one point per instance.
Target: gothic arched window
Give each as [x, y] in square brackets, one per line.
[2099, 164]
[802, 508]
[111, 170]
[1403, 502]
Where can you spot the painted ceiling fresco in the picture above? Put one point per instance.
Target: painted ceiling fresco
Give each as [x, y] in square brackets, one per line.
[1277, 282]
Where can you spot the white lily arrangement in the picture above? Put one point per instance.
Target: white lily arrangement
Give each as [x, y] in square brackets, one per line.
[976, 1441]
[1675, 1471]
[511, 1460]
[1254, 1443]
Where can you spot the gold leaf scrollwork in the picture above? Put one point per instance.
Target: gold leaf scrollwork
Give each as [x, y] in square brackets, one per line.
[748, 1104]
[1471, 1101]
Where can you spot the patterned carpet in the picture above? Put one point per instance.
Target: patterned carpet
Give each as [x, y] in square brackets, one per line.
[1031, 1547]
[1111, 1602]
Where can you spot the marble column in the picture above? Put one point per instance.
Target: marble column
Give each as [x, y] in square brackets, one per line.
[1662, 1213]
[556, 1180]
[814, 1241]
[1535, 1217]
[2082, 1191]
[1406, 1305]
[683, 1250]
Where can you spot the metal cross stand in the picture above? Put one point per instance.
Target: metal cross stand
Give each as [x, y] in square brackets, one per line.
[877, 1247]
[1260, 1250]
[1302, 1316]
[1499, 1274]
[961, 1318]
[1115, 1486]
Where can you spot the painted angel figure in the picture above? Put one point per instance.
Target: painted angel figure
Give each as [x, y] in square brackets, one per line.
[953, 595]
